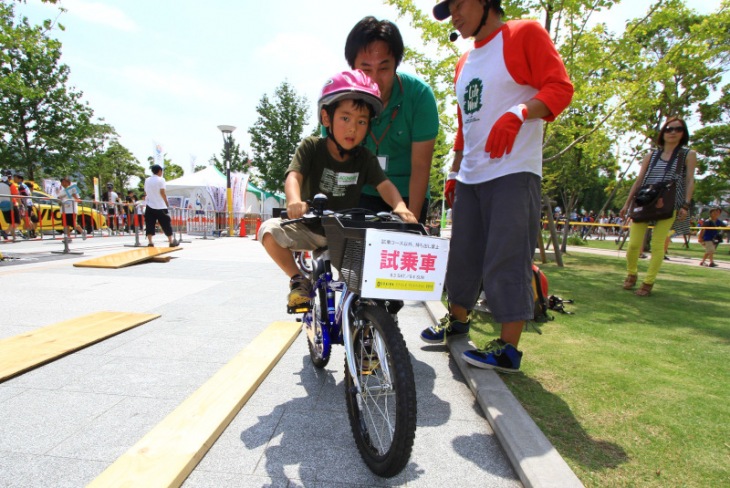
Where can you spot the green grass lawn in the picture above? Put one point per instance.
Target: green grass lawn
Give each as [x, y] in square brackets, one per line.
[631, 391]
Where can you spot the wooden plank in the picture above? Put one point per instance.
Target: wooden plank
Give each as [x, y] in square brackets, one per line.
[126, 258]
[160, 259]
[27, 351]
[170, 451]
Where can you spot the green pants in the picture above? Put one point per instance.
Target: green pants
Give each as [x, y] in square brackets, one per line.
[636, 239]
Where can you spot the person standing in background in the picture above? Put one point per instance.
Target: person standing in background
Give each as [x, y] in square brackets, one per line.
[710, 238]
[157, 207]
[26, 205]
[68, 195]
[8, 205]
[661, 164]
[113, 203]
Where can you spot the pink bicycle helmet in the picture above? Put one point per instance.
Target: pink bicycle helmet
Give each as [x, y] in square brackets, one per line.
[350, 85]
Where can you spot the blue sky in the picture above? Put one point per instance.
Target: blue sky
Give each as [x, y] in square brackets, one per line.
[170, 71]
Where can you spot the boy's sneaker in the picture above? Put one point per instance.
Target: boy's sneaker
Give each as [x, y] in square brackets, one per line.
[712, 265]
[301, 289]
[174, 243]
[448, 326]
[497, 355]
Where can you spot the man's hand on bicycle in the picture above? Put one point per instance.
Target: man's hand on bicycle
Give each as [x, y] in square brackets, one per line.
[296, 210]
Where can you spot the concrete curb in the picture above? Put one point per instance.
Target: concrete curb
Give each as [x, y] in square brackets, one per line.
[533, 457]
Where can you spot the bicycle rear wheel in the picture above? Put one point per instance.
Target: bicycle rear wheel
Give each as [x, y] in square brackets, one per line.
[383, 414]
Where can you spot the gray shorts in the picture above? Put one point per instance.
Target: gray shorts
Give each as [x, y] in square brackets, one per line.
[493, 240]
[297, 236]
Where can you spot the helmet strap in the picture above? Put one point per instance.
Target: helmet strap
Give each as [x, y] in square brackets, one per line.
[484, 18]
[343, 152]
[340, 149]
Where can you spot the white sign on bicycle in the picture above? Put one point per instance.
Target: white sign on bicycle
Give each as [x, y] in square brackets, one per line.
[403, 266]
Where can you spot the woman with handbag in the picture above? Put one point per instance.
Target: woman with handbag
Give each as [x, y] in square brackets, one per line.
[662, 192]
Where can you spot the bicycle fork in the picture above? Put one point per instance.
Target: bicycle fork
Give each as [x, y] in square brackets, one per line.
[349, 343]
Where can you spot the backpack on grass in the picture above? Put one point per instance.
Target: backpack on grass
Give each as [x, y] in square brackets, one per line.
[540, 291]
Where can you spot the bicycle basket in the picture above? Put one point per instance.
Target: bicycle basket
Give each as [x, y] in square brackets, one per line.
[346, 244]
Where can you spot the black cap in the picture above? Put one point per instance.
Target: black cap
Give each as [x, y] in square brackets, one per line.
[441, 10]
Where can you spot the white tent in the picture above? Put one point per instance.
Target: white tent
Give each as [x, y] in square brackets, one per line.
[206, 190]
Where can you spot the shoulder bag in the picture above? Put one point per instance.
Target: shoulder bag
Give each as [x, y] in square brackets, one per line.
[656, 201]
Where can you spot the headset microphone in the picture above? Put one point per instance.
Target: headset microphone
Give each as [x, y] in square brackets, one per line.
[454, 36]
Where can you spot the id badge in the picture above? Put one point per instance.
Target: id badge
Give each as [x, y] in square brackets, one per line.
[383, 160]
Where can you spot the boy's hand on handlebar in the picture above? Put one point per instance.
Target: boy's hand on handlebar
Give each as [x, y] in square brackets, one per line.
[402, 211]
[406, 215]
[297, 209]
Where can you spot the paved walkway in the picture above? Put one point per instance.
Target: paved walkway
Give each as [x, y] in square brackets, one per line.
[64, 423]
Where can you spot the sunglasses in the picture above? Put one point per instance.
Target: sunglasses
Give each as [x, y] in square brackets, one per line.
[674, 129]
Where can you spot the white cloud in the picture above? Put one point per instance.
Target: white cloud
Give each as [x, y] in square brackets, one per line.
[101, 14]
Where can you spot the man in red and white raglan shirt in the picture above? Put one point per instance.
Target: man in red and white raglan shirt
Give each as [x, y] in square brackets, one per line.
[506, 85]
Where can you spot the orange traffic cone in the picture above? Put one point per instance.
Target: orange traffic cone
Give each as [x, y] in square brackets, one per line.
[258, 226]
[242, 229]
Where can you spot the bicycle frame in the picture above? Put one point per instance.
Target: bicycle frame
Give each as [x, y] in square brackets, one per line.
[338, 329]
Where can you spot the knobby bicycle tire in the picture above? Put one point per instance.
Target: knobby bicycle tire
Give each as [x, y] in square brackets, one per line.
[383, 417]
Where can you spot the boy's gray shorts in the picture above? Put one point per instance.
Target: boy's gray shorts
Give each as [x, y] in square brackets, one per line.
[493, 240]
[296, 236]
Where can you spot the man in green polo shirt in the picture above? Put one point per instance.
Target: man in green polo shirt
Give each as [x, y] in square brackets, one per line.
[403, 135]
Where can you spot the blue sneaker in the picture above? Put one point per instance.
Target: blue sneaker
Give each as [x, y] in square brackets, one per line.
[447, 326]
[497, 355]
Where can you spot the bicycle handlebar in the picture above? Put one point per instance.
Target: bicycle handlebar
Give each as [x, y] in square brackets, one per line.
[317, 211]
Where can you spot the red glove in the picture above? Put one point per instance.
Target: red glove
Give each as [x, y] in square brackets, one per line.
[450, 188]
[504, 131]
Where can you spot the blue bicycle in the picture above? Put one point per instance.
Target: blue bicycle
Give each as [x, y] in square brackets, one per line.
[379, 384]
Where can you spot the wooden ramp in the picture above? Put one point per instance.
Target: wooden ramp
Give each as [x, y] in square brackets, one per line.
[126, 258]
[26, 351]
[170, 451]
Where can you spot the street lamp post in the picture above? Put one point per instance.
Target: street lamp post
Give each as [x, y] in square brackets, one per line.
[227, 131]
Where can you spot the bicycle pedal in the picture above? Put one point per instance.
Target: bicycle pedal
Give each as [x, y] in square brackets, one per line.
[301, 308]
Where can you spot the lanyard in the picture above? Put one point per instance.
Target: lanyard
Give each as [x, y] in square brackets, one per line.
[392, 118]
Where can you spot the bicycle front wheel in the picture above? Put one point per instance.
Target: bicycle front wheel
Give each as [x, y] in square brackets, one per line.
[317, 328]
[383, 413]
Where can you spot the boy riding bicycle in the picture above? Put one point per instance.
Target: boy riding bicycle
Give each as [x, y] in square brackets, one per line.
[337, 166]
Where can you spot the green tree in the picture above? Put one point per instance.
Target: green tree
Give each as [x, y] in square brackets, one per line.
[172, 171]
[713, 142]
[276, 135]
[116, 165]
[240, 162]
[44, 123]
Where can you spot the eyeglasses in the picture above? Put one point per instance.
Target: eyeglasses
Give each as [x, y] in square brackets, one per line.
[674, 129]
